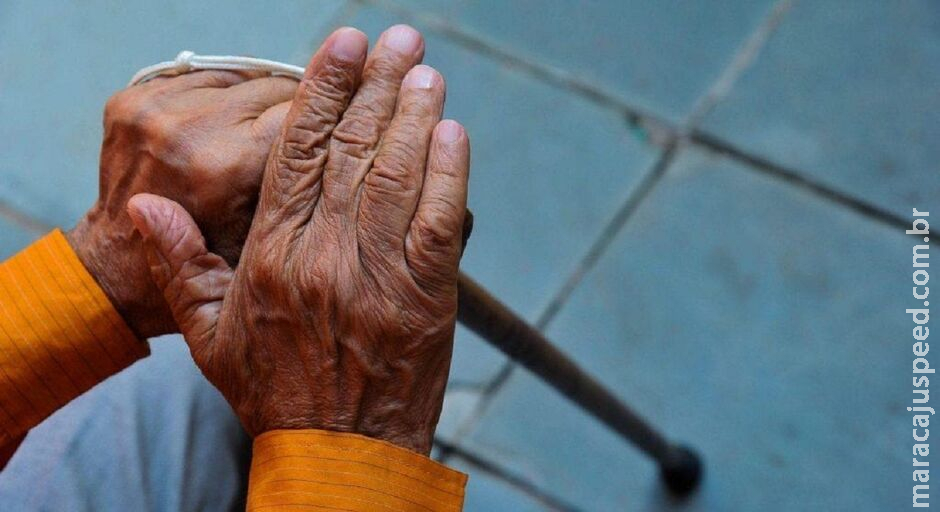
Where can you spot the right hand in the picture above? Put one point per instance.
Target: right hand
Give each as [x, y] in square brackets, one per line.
[341, 313]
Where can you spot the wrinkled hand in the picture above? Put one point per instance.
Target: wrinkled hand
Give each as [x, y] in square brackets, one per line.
[341, 313]
[201, 139]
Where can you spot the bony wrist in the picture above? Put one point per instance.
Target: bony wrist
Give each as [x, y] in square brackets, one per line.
[114, 269]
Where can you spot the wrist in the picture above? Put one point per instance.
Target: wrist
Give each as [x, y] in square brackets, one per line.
[418, 442]
[412, 439]
[108, 256]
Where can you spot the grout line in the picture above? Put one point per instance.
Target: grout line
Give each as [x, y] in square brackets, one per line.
[659, 128]
[590, 259]
[23, 220]
[798, 180]
[554, 503]
[607, 236]
[742, 60]
[552, 75]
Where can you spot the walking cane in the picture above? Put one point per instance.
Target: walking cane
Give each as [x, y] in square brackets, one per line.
[680, 468]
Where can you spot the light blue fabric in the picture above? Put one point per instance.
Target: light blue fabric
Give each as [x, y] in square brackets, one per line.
[155, 437]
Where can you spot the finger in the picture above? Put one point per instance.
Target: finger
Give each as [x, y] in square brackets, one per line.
[356, 138]
[192, 279]
[436, 237]
[258, 95]
[393, 185]
[291, 184]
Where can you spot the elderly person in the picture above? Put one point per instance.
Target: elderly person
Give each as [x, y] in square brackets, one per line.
[322, 305]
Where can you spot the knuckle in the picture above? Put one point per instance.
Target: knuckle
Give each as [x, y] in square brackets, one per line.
[386, 71]
[436, 230]
[297, 159]
[303, 140]
[357, 134]
[326, 96]
[400, 153]
[390, 174]
[382, 181]
[115, 106]
[139, 113]
[334, 84]
[307, 133]
[191, 273]
[419, 106]
[163, 129]
[167, 140]
[127, 108]
[320, 105]
[148, 121]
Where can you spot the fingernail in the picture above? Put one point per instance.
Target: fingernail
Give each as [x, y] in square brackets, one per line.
[402, 39]
[348, 44]
[448, 131]
[420, 77]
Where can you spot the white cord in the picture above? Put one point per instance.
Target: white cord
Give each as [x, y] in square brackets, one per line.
[188, 61]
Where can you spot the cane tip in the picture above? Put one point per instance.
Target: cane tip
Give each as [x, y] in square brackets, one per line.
[681, 471]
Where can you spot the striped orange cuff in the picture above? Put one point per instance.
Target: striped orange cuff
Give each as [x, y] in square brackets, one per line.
[59, 334]
[320, 470]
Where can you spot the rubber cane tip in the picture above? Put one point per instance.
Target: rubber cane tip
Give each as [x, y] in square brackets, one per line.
[681, 471]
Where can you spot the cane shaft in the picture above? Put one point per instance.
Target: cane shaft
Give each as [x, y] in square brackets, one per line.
[497, 324]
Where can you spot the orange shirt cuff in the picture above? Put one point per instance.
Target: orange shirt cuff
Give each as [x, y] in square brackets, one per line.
[320, 470]
[59, 334]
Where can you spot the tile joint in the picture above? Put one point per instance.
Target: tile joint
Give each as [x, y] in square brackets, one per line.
[496, 471]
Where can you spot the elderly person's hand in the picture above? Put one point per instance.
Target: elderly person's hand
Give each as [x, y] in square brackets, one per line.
[201, 139]
[341, 313]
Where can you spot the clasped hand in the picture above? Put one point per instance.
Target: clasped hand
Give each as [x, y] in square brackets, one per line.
[340, 312]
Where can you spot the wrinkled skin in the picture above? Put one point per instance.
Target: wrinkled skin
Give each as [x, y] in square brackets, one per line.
[341, 313]
[201, 139]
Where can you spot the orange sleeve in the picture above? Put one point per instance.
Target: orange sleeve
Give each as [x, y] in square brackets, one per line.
[320, 470]
[59, 335]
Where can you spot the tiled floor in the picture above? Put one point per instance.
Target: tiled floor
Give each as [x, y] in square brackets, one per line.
[731, 311]
[846, 92]
[750, 304]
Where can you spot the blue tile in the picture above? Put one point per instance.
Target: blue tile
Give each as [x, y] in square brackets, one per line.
[13, 238]
[748, 318]
[549, 169]
[474, 361]
[846, 91]
[487, 493]
[659, 56]
[58, 65]
[460, 404]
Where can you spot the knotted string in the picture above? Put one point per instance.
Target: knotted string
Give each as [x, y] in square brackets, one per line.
[188, 61]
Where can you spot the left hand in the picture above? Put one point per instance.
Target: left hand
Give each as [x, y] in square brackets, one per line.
[201, 139]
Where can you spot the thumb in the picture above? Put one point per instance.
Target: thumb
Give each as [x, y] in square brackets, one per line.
[192, 279]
